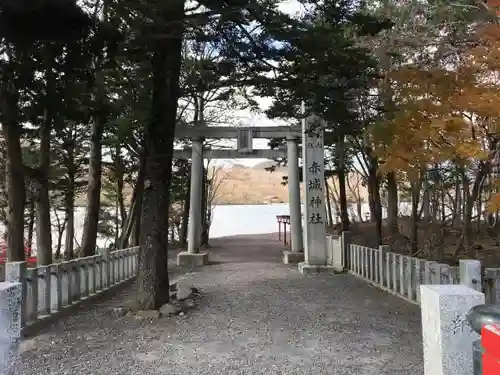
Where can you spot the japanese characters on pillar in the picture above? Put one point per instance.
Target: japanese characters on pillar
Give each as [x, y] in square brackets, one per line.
[314, 188]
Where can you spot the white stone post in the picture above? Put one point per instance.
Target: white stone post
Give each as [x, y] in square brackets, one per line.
[55, 287]
[31, 294]
[84, 278]
[294, 195]
[44, 290]
[10, 312]
[105, 268]
[66, 283]
[98, 273]
[447, 336]
[119, 257]
[112, 268]
[123, 259]
[382, 264]
[470, 274]
[15, 272]
[116, 266]
[10, 325]
[128, 258]
[75, 279]
[346, 241]
[91, 269]
[313, 160]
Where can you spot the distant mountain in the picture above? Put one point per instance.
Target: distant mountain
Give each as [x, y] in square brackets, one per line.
[249, 186]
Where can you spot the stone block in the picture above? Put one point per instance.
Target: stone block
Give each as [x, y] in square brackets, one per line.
[292, 257]
[470, 273]
[382, 255]
[338, 253]
[84, 278]
[192, 259]
[345, 242]
[10, 311]
[15, 272]
[31, 300]
[43, 280]
[313, 269]
[447, 336]
[10, 324]
[55, 287]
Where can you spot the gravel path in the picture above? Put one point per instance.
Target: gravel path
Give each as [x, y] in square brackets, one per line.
[257, 316]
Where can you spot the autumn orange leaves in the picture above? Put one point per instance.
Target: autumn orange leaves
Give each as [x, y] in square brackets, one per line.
[446, 111]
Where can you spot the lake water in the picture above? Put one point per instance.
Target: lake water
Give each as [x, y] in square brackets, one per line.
[246, 219]
[227, 220]
[256, 219]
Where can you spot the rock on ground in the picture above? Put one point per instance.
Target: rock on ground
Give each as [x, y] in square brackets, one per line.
[168, 310]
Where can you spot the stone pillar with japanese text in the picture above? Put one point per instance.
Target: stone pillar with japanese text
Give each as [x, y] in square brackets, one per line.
[313, 164]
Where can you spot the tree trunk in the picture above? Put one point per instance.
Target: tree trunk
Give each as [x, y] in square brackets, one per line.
[328, 204]
[335, 199]
[129, 226]
[43, 223]
[470, 198]
[205, 210]
[374, 196]
[135, 207]
[69, 245]
[371, 198]
[344, 213]
[392, 200]
[16, 193]
[60, 232]
[69, 203]
[457, 218]
[426, 201]
[479, 208]
[31, 226]
[415, 198]
[136, 232]
[119, 170]
[152, 275]
[91, 221]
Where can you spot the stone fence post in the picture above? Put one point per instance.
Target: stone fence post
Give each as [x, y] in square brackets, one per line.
[471, 274]
[105, 268]
[15, 272]
[10, 323]
[447, 336]
[382, 264]
[346, 241]
[10, 311]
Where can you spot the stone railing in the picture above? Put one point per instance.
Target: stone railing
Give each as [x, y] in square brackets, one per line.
[402, 275]
[50, 290]
[444, 293]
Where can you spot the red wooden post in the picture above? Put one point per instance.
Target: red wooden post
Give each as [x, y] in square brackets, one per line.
[490, 340]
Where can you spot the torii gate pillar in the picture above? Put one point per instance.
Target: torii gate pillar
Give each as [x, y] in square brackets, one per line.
[296, 254]
[193, 256]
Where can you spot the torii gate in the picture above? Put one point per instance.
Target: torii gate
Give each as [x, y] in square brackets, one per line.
[315, 211]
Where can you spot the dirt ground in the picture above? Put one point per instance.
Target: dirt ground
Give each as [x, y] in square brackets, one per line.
[256, 316]
[486, 247]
